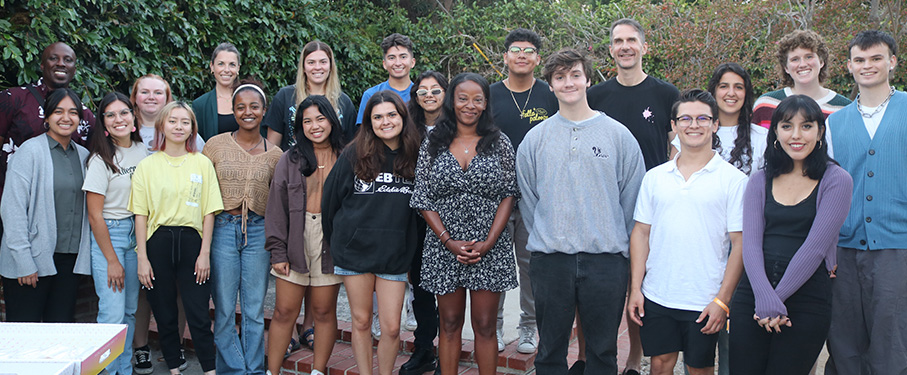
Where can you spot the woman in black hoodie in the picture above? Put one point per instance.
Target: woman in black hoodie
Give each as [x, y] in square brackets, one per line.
[371, 229]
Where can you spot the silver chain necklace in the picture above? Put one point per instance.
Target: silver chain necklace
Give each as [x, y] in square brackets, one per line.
[878, 109]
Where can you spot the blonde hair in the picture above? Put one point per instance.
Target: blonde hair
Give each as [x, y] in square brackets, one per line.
[331, 85]
[159, 143]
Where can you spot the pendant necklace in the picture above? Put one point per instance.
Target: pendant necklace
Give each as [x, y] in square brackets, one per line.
[522, 110]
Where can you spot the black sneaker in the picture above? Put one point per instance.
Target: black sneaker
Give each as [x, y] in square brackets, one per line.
[422, 360]
[143, 363]
[183, 363]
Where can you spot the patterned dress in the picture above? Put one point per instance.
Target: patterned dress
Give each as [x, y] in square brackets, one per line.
[467, 201]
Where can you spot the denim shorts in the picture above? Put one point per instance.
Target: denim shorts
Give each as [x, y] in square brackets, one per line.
[390, 277]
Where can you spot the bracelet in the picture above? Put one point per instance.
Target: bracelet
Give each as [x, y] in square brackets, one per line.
[722, 306]
[445, 241]
[442, 234]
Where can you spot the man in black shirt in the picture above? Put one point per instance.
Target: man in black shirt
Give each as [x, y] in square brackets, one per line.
[518, 103]
[643, 104]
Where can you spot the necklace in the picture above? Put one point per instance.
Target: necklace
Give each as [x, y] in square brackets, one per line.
[465, 147]
[260, 140]
[167, 159]
[878, 109]
[522, 110]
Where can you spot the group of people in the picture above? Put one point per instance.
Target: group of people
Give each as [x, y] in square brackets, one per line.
[677, 209]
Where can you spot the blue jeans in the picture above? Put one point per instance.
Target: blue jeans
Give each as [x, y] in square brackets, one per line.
[118, 307]
[239, 263]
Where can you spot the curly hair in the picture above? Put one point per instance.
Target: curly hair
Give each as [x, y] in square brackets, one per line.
[806, 39]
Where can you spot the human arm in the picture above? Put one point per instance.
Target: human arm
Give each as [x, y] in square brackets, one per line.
[203, 262]
[639, 254]
[116, 276]
[277, 221]
[143, 269]
[508, 194]
[527, 182]
[501, 216]
[832, 207]
[767, 302]
[717, 311]
[13, 206]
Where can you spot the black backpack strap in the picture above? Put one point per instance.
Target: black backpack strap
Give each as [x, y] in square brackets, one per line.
[36, 94]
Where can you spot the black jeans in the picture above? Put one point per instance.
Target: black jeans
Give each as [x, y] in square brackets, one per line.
[595, 285]
[53, 300]
[424, 307]
[173, 252]
[753, 351]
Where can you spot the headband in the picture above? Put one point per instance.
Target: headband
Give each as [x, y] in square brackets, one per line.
[249, 85]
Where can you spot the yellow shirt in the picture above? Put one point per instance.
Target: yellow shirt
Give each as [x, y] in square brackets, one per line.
[175, 191]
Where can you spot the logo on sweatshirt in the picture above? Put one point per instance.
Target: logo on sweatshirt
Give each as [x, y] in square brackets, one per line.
[597, 152]
[364, 187]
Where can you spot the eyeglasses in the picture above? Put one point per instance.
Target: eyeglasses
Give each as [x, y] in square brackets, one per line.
[516, 50]
[423, 92]
[687, 120]
[112, 115]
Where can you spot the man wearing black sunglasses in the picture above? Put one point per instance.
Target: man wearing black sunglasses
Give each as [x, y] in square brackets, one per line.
[518, 103]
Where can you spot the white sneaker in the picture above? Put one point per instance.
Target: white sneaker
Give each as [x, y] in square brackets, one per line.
[500, 334]
[409, 323]
[376, 326]
[316, 372]
[527, 340]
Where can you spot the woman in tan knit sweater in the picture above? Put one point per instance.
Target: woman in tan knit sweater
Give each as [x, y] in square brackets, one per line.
[244, 162]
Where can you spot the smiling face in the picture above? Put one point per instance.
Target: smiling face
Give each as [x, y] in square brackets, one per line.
[63, 121]
[521, 63]
[803, 66]
[730, 93]
[387, 123]
[315, 126]
[248, 109]
[119, 122]
[871, 67]
[398, 61]
[430, 103]
[317, 67]
[694, 125]
[58, 65]
[150, 97]
[225, 68]
[569, 85]
[798, 137]
[627, 47]
[177, 126]
[469, 103]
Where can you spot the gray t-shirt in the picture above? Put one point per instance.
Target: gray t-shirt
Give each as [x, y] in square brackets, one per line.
[115, 187]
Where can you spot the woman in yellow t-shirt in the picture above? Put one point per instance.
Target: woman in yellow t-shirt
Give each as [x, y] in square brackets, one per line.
[175, 196]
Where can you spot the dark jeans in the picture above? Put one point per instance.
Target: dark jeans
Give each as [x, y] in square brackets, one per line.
[53, 300]
[172, 252]
[595, 285]
[424, 308]
[753, 351]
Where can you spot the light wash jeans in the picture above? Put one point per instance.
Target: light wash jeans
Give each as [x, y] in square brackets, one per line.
[239, 263]
[118, 307]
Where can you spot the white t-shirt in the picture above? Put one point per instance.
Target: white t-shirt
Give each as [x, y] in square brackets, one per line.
[115, 187]
[728, 134]
[688, 241]
[147, 133]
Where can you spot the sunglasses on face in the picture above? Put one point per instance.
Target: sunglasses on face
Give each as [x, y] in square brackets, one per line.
[423, 92]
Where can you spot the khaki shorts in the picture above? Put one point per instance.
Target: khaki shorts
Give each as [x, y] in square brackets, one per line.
[313, 239]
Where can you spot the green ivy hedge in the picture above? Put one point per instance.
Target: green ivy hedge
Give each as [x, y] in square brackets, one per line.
[119, 40]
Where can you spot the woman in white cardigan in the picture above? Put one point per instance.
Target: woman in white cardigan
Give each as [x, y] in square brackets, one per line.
[45, 239]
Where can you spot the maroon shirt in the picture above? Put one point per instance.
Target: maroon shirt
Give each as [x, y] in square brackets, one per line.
[22, 118]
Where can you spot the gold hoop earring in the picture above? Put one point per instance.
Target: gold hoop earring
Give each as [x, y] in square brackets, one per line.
[818, 143]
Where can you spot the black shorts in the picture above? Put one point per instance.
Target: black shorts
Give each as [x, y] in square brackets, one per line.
[665, 330]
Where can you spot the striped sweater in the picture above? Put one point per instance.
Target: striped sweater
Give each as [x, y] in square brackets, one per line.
[766, 104]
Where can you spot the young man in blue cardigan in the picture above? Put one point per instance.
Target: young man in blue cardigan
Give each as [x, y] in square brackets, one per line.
[868, 332]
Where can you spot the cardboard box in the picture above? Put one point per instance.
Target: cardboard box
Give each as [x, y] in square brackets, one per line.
[88, 348]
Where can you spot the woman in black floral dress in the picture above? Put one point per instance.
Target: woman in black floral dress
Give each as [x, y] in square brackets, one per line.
[465, 188]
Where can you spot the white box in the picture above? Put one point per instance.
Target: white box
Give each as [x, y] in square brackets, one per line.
[87, 348]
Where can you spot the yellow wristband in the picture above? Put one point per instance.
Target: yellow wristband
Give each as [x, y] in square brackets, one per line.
[722, 306]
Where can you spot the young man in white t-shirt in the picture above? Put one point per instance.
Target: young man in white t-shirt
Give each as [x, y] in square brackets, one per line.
[689, 211]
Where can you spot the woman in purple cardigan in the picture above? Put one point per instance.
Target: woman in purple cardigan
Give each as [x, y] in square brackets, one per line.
[792, 212]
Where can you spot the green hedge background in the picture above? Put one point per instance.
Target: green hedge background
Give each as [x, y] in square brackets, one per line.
[119, 40]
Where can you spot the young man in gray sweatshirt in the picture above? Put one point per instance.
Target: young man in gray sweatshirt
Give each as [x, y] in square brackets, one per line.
[579, 172]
